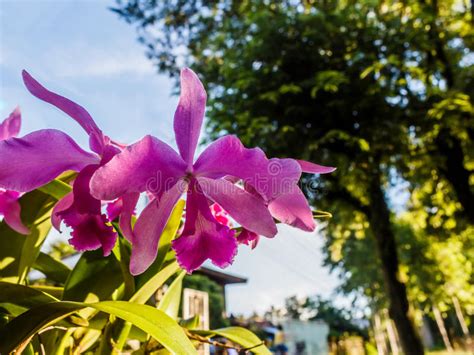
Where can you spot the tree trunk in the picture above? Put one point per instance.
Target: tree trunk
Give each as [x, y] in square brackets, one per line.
[460, 316]
[448, 145]
[379, 336]
[462, 322]
[426, 333]
[472, 11]
[442, 328]
[455, 172]
[386, 247]
[392, 336]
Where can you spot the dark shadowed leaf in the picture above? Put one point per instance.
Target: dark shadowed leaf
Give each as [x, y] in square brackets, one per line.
[18, 252]
[94, 278]
[54, 269]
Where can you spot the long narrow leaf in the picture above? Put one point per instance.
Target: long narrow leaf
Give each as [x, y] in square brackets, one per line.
[150, 287]
[17, 299]
[149, 319]
[121, 252]
[53, 269]
[172, 298]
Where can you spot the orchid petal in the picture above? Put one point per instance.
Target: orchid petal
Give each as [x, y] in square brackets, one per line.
[114, 209]
[247, 209]
[221, 215]
[149, 164]
[90, 231]
[248, 238]
[203, 237]
[228, 156]
[10, 127]
[61, 206]
[292, 208]
[11, 210]
[75, 111]
[189, 114]
[84, 202]
[108, 153]
[90, 227]
[149, 227]
[39, 157]
[129, 202]
[308, 167]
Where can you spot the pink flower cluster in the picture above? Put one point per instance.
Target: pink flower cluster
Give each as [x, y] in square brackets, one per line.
[227, 181]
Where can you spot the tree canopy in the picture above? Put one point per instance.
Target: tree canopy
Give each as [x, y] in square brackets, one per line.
[383, 90]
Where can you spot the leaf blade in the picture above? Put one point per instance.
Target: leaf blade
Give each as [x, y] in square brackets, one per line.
[151, 320]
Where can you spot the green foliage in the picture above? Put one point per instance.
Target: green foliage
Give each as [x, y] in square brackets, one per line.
[144, 293]
[94, 278]
[97, 306]
[381, 89]
[54, 269]
[149, 319]
[17, 252]
[171, 300]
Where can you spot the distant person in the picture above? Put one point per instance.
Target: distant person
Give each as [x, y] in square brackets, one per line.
[280, 347]
[300, 348]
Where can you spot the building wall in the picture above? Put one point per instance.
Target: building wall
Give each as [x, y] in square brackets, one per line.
[313, 334]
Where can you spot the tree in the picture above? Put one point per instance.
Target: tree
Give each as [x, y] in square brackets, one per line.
[374, 88]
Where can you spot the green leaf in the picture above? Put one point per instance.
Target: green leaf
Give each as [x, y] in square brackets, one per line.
[190, 323]
[54, 291]
[150, 287]
[16, 299]
[122, 254]
[18, 252]
[88, 340]
[29, 350]
[94, 278]
[172, 298]
[165, 243]
[321, 214]
[56, 188]
[240, 336]
[54, 269]
[366, 72]
[149, 319]
[22, 328]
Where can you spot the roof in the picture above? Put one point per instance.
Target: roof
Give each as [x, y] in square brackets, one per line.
[220, 277]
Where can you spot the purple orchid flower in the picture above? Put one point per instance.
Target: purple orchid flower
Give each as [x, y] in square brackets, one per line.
[39, 157]
[248, 238]
[151, 165]
[10, 208]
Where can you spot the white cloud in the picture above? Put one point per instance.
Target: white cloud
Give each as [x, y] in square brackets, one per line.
[99, 61]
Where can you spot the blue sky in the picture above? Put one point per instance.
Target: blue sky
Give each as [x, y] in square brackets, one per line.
[83, 51]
